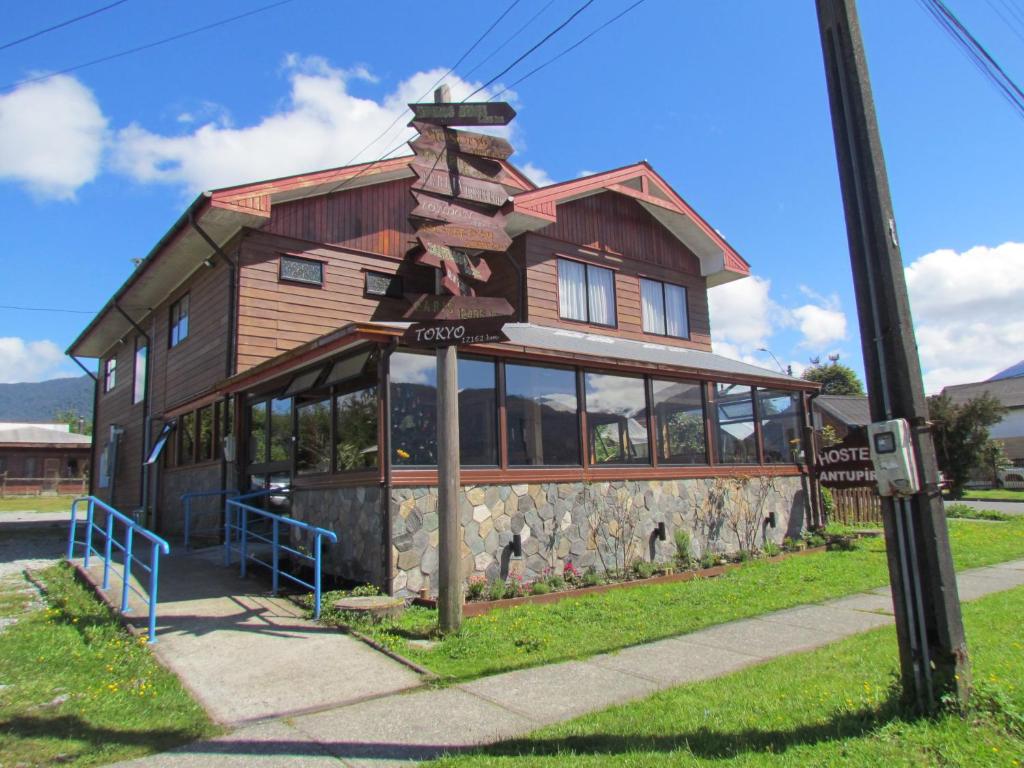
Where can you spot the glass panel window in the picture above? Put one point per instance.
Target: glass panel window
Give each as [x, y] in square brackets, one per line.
[205, 428]
[478, 413]
[356, 429]
[663, 309]
[280, 429]
[258, 433]
[679, 422]
[313, 445]
[616, 419]
[300, 270]
[187, 439]
[348, 368]
[303, 381]
[179, 321]
[139, 384]
[586, 292]
[110, 374]
[414, 408]
[779, 412]
[734, 424]
[543, 426]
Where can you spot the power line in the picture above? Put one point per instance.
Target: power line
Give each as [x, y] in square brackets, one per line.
[147, 46]
[341, 185]
[49, 309]
[514, 35]
[42, 32]
[1013, 23]
[543, 40]
[976, 52]
[572, 47]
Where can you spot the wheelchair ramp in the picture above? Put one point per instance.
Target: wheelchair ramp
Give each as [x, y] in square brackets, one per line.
[247, 656]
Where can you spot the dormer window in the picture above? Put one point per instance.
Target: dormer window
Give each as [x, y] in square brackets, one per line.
[586, 293]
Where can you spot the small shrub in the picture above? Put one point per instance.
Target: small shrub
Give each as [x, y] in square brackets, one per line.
[592, 578]
[476, 589]
[539, 588]
[743, 555]
[514, 587]
[789, 545]
[967, 512]
[556, 582]
[771, 549]
[684, 547]
[843, 543]
[812, 538]
[643, 569]
[828, 503]
[708, 560]
[496, 590]
[571, 573]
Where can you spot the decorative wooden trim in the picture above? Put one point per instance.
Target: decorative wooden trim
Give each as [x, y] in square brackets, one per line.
[325, 480]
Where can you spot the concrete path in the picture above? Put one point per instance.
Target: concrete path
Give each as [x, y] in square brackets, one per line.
[247, 656]
[396, 730]
[1006, 507]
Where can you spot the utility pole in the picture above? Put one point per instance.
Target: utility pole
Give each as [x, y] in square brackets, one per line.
[933, 654]
[449, 580]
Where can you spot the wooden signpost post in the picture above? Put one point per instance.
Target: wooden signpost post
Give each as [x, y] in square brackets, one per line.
[458, 191]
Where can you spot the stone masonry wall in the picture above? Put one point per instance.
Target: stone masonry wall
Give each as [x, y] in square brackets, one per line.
[206, 512]
[355, 515]
[599, 525]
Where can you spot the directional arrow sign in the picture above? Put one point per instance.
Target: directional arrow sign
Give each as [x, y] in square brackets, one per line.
[452, 332]
[466, 165]
[431, 307]
[443, 209]
[438, 255]
[473, 113]
[452, 281]
[469, 142]
[471, 236]
[444, 183]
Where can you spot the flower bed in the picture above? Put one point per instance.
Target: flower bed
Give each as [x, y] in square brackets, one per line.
[480, 607]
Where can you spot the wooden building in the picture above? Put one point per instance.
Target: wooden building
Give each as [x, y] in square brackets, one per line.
[260, 342]
[42, 458]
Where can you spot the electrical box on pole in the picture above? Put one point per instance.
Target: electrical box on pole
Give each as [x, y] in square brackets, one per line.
[933, 654]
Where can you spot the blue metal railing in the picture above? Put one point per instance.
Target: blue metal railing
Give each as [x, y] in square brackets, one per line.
[186, 500]
[108, 530]
[240, 523]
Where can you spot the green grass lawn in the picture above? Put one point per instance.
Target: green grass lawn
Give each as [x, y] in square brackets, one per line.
[79, 690]
[38, 504]
[830, 707]
[529, 635]
[997, 494]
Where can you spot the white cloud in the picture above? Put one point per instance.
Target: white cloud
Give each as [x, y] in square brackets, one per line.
[536, 174]
[819, 325]
[30, 361]
[743, 314]
[322, 125]
[968, 315]
[51, 137]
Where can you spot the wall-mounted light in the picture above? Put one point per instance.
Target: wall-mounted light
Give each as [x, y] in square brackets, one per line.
[770, 519]
[207, 262]
[517, 545]
[660, 531]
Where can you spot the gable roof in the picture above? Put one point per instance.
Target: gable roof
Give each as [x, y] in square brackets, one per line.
[719, 262]
[1009, 392]
[40, 435]
[851, 410]
[1012, 372]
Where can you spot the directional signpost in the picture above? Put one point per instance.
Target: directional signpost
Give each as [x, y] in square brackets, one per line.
[458, 191]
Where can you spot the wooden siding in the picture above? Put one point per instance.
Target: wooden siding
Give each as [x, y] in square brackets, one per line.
[373, 219]
[116, 407]
[612, 231]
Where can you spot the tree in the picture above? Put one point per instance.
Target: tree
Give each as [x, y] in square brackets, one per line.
[961, 435]
[994, 459]
[74, 419]
[835, 378]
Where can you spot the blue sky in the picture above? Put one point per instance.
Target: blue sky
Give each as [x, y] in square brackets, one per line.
[726, 100]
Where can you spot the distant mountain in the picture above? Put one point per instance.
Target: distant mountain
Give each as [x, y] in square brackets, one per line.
[39, 401]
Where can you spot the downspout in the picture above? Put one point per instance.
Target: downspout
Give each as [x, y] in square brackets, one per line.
[95, 413]
[811, 448]
[147, 418]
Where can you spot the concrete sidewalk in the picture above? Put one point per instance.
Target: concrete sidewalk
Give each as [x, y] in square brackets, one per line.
[395, 730]
[247, 656]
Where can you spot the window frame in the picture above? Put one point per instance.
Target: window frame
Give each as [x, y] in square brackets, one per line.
[139, 381]
[110, 374]
[295, 259]
[587, 266]
[178, 319]
[664, 307]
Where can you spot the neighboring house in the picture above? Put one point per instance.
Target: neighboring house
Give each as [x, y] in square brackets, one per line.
[42, 457]
[841, 412]
[1008, 388]
[260, 342]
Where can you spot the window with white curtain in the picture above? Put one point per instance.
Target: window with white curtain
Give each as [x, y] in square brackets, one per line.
[663, 308]
[586, 293]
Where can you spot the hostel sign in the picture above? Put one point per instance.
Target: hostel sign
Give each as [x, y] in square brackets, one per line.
[848, 464]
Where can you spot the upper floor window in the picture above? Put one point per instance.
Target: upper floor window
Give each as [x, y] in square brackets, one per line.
[179, 321]
[139, 385]
[586, 293]
[663, 308]
[110, 374]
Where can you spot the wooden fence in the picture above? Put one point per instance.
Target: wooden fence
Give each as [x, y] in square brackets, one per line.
[38, 486]
[856, 506]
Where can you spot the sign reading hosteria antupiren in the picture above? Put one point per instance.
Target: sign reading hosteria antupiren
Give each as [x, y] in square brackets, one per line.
[847, 465]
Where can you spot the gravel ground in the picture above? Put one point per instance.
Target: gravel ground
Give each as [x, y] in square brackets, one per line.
[29, 546]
